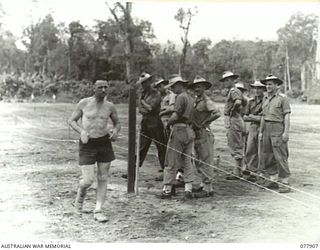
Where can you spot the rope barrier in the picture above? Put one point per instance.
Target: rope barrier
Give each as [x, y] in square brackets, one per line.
[33, 126]
[255, 184]
[193, 158]
[45, 138]
[292, 139]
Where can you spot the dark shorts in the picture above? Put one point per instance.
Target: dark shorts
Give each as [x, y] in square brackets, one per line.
[96, 150]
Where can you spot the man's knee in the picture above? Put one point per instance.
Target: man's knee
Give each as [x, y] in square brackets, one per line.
[86, 182]
[103, 177]
[103, 171]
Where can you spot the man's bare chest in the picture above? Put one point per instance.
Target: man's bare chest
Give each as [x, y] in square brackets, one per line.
[94, 111]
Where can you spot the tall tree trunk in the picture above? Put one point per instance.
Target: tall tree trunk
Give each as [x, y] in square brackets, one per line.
[26, 64]
[70, 49]
[48, 69]
[254, 74]
[288, 68]
[185, 45]
[69, 68]
[183, 57]
[317, 73]
[303, 77]
[285, 78]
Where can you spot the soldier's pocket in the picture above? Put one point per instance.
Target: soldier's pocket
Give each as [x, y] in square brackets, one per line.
[227, 122]
[200, 141]
[180, 134]
[211, 137]
[190, 134]
[276, 141]
[237, 125]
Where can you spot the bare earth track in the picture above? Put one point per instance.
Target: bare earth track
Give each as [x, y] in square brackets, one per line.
[39, 175]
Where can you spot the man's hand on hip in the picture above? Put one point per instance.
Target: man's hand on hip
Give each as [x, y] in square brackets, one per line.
[84, 136]
[285, 137]
[114, 135]
[227, 122]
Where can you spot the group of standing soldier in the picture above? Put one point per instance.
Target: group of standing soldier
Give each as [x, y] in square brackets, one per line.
[265, 157]
[176, 115]
[184, 129]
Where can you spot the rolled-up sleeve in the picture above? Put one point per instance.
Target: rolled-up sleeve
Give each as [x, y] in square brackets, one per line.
[179, 105]
[236, 94]
[286, 109]
[212, 107]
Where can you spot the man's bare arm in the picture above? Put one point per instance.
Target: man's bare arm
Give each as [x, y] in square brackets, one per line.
[116, 123]
[76, 115]
[146, 105]
[214, 115]
[73, 122]
[167, 110]
[285, 135]
[235, 106]
[252, 118]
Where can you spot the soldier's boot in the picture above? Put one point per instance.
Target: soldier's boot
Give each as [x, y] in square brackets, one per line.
[272, 182]
[206, 192]
[284, 186]
[159, 178]
[249, 176]
[237, 172]
[261, 179]
[196, 188]
[166, 192]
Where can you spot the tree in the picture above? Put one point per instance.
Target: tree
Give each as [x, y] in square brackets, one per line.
[252, 60]
[166, 60]
[43, 45]
[127, 40]
[298, 41]
[1, 14]
[126, 28]
[184, 17]
[317, 74]
[200, 57]
[81, 46]
[11, 58]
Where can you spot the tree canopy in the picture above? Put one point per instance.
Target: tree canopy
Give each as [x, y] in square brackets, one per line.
[58, 52]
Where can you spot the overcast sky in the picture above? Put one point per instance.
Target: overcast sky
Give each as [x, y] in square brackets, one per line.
[214, 20]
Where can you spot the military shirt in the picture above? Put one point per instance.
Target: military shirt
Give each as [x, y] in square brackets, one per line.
[274, 108]
[167, 102]
[184, 108]
[153, 98]
[233, 95]
[254, 106]
[203, 108]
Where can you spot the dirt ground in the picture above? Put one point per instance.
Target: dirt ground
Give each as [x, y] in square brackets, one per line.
[39, 176]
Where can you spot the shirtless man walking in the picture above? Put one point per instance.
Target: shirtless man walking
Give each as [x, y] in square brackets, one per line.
[95, 144]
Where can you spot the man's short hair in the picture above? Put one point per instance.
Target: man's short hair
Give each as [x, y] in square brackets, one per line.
[101, 83]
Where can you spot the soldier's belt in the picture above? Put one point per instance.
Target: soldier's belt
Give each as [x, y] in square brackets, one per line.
[237, 115]
[255, 123]
[181, 125]
[273, 121]
[202, 128]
